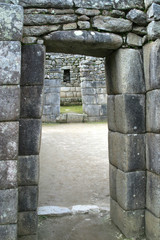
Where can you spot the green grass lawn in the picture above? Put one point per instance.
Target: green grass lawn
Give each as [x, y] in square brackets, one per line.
[71, 109]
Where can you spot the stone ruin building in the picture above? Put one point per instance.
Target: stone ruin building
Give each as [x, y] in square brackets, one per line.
[127, 34]
[74, 80]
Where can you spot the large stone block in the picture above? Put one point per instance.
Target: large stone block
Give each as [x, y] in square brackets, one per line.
[27, 223]
[111, 112]
[8, 173]
[153, 30]
[10, 62]
[127, 151]
[11, 18]
[110, 24]
[9, 103]
[112, 182]
[130, 113]
[9, 133]
[28, 170]
[149, 2]
[47, 3]
[8, 206]
[125, 72]
[33, 59]
[152, 224]
[91, 110]
[154, 12]
[29, 137]
[103, 4]
[131, 190]
[127, 4]
[27, 198]
[131, 223]
[138, 17]
[8, 232]
[153, 152]
[153, 111]
[51, 98]
[31, 102]
[153, 193]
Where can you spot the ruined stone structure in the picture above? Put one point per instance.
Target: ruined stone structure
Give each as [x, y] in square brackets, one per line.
[73, 80]
[118, 30]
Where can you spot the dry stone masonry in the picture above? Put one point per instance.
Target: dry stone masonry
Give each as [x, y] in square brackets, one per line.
[74, 80]
[126, 33]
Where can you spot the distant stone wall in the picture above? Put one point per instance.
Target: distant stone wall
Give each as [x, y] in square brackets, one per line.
[60, 91]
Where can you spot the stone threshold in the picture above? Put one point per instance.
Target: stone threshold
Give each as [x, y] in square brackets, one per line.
[56, 211]
[79, 118]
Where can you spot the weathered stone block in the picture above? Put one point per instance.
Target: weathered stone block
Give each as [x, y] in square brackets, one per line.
[103, 110]
[27, 223]
[33, 57]
[47, 3]
[153, 193]
[138, 17]
[29, 137]
[111, 112]
[112, 183]
[149, 2]
[153, 30]
[31, 102]
[91, 110]
[73, 118]
[9, 103]
[153, 111]
[8, 232]
[83, 24]
[139, 30]
[110, 24]
[153, 152]
[8, 206]
[130, 113]
[39, 30]
[28, 170]
[127, 4]
[9, 140]
[87, 12]
[103, 4]
[8, 174]
[27, 198]
[154, 12]
[51, 98]
[131, 190]
[152, 224]
[11, 18]
[134, 40]
[127, 151]
[124, 72]
[29, 237]
[10, 62]
[131, 223]
[70, 26]
[89, 99]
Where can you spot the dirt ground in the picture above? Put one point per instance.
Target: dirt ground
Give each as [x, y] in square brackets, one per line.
[74, 165]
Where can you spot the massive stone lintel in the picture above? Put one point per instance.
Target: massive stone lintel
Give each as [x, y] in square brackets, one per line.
[82, 42]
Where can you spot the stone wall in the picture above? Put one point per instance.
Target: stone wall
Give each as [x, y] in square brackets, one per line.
[117, 30]
[58, 92]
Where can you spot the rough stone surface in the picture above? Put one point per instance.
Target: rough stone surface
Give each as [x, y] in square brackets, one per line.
[8, 174]
[83, 209]
[113, 182]
[28, 170]
[39, 30]
[11, 18]
[149, 2]
[33, 57]
[29, 237]
[103, 4]
[124, 72]
[139, 30]
[31, 102]
[153, 111]
[152, 224]
[111, 112]
[53, 211]
[131, 223]
[27, 224]
[87, 12]
[9, 103]
[83, 24]
[9, 140]
[153, 193]
[27, 198]
[153, 30]
[137, 16]
[47, 3]
[8, 232]
[127, 152]
[29, 137]
[131, 190]
[44, 19]
[8, 206]
[134, 40]
[154, 12]
[10, 62]
[127, 4]
[130, 113]
[153, 152]
[110, 24]
[70, 26]
[82, 42]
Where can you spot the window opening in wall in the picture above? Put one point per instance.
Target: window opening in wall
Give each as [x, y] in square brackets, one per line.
[66, 75]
